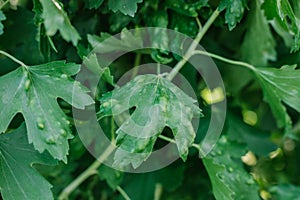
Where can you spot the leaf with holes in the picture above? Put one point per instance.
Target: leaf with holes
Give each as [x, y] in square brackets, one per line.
[158, 103]
[33, 91]
[18, 179]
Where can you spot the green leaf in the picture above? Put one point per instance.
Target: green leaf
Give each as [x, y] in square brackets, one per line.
[186, 8]
[282, 14]
[234, 11]
[18, 178]
[256, 140]
[94, 3]
[229, 179]
[55, 18]
[258, 50]
[158, 103]
[285, 191]
[2, 18]
[281, 86]
[91, 62]
[159, 38]
[33, 91]
[107, 43]
[127, 7]
[113, 177]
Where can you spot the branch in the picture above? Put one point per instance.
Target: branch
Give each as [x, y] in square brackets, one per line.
[193, 46]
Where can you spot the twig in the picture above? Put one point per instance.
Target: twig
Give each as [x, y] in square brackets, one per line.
[193, 46]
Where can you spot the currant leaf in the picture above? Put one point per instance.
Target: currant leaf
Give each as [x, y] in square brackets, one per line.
[127, 7]
[18, 178]
[281, 86]
[158, 103]
[33, 91]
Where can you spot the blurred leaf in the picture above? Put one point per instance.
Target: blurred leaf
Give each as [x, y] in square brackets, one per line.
[91, 62]
[281, 86]
[93, 3]
[55, 18]
[282, 14]
[229, 179]
[186, 7]
[19, 180]
[107, 43]
[2, 18]
[258, 141]
[259, 45]
[285, 191]
[158, 103]
[127, 7]
[113, 177]
[234, 11]
[33, 91]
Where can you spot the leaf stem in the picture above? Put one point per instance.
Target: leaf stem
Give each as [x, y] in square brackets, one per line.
[137, 62]
[91, 170]
[194, 44]
[13, 58]
[123, 193]
[197, 146]
[4, 3]
[234, 62]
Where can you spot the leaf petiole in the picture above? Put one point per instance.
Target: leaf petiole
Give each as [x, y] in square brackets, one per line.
[234, 62]
[13, 58]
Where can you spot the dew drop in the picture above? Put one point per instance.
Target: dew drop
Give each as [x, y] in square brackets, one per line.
[64, 76]
[63, 132]
[219, 152]
[50, 140]
[40, 124]
[27, 84]
[230, 169]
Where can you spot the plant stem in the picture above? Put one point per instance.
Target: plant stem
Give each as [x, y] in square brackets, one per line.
[13, 58]
[4, 3]
[234, 62]
[86, 174]
[197, 146]
[123, 193]
[137, 62]
[194, 44]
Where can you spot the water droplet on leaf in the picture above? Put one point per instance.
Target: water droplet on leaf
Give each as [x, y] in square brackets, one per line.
[27, 84]
[40, 124]
[50, 140]
[64, 76]
[63, 132]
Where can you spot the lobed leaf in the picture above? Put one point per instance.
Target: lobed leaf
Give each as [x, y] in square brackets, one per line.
[229, 179]
[281, 86]
[258, 50]
[234, 11]
[284, 18]
[18, 178]
[55, 18]
[158, 103]
[127, 7]
[33, 91]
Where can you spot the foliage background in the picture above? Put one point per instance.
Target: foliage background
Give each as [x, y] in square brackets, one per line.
[256, 157]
